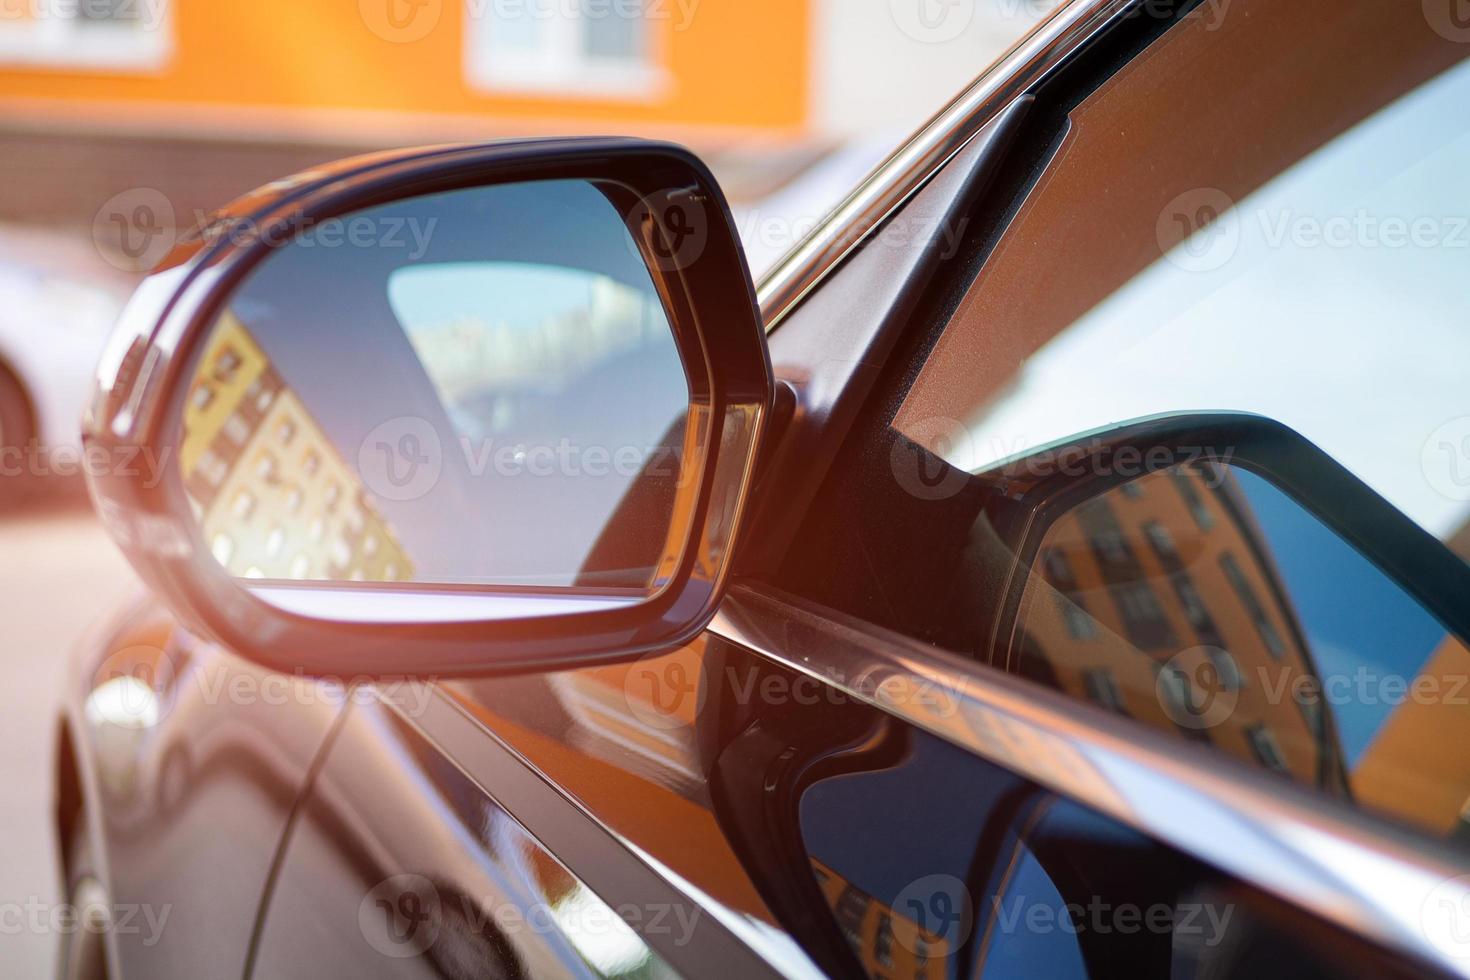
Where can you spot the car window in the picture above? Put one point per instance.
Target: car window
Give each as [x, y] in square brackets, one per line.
[958, 868]
[1319, 285]
[1193, 445]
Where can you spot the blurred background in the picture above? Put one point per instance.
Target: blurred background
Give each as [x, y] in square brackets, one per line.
[123, 121]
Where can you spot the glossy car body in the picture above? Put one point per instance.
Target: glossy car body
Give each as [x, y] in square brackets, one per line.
[798, 791]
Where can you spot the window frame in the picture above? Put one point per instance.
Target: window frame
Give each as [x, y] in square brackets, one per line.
[61, 39]
[559, 64]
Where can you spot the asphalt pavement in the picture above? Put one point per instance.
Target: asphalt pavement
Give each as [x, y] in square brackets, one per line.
[59, 576]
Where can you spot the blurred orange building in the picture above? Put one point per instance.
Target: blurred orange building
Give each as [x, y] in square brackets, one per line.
[353, 69]
[205, 99]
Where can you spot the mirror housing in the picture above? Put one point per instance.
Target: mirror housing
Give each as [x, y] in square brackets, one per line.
[680, 223]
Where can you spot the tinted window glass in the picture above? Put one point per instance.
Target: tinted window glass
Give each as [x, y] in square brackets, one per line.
[1206, 602]
[1187, 253]
[1249, 261]
[936, 864]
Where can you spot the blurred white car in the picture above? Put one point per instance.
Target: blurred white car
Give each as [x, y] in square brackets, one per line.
[52, 328]
[770, 227]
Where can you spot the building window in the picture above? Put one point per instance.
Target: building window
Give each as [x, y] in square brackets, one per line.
[1186, 482]
[1144, 620]
[1265, 747]
[1253, 607]
[1102, 689]
[598, 49]
[237, 429]
[121, 35]
[1162, 542]
[226, 365]
[1227, 671]
[244, 505]
[1080, 625]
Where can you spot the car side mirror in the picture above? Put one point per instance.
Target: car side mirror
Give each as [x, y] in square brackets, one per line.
[443, 412]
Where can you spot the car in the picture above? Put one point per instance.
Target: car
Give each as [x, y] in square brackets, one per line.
[51, 333]
[1055, 567]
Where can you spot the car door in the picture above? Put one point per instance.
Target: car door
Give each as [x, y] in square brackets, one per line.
[839, 776]
[1180, 445]
[197, 759]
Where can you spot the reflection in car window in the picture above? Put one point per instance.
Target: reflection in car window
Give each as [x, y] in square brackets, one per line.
[1028, 932]
[1259, 631]
[1310, 626]
[1303, 263]
[1330, 297]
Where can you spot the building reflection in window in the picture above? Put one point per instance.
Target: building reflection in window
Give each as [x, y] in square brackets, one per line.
[1219, 609]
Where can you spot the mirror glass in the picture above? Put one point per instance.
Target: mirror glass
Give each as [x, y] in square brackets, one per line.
[1205, 601]
[473, 388]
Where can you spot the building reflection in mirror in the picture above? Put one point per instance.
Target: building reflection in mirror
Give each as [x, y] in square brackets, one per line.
[274, 497]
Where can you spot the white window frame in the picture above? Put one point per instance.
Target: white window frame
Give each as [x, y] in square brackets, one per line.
[57, 37]
[559, 65]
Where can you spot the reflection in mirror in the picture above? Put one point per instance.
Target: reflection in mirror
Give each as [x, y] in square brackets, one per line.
[479, 387]
[1204, 601]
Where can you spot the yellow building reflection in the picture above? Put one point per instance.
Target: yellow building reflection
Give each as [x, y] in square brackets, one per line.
[274, 497]
[889, 944]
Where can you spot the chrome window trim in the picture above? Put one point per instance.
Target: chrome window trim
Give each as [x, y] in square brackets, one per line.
[456, 733]
[911, 166]
[1361, 873]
